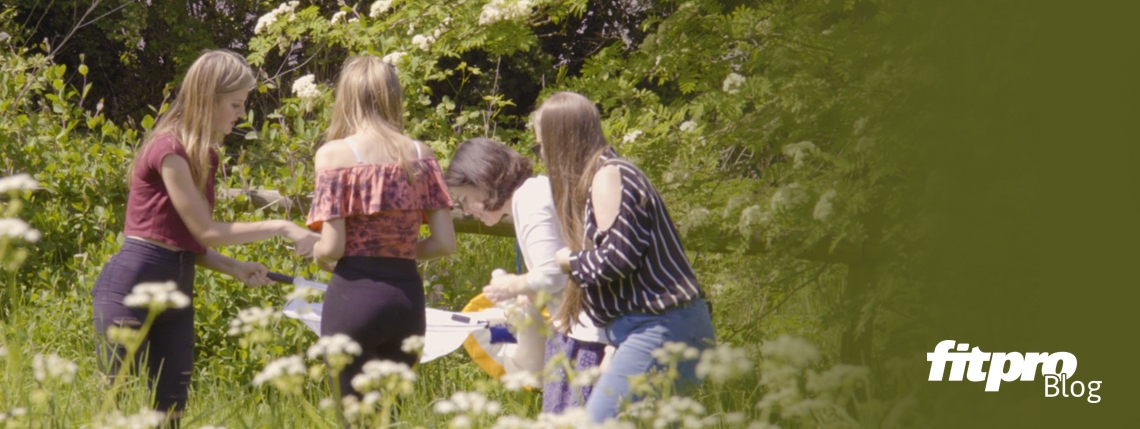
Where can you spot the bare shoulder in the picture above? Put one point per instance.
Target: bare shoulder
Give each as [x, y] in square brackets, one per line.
[607, 180]
[332, 154]
[425, 150]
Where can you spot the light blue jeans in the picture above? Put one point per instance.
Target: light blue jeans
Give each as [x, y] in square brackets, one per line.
[636, 336]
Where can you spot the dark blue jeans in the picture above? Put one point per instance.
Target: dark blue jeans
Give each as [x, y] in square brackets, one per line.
[168, 351]
[636, 336]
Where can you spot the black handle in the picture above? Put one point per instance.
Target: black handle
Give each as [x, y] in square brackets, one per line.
[280, 278]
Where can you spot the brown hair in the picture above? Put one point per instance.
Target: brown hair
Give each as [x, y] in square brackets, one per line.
[490, 166]
[570, 128]
[214, 74]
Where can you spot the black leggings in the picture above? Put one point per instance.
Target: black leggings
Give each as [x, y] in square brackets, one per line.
[378, 302]
[171, 339]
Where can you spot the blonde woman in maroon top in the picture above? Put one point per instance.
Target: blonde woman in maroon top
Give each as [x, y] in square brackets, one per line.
[170, 228]
[374, 188]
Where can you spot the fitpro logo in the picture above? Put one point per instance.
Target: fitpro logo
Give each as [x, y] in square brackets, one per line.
[1056, 368]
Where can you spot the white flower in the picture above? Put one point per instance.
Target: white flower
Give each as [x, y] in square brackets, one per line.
[305, 88]
[338, 17]
[519, 380]
[3, 352]
[255, 318]
[631, 136]
[467, 402]
[378, 8]
[336, 350]
[351, 406]
[156, 296]
[394, 57]
[752, 217]
[270, 18]
[53, 367]
[674, 411]
[723, 363]
[793, 350]
[146, 418]
[504, 10]
[586, 377]
[823, 207]
[674, 351]
[423, 42]
[384, 374]
[788, 196]
[326, 403]
[799, 152]
[287, 374]
[688, 126]
[17, 228]
[460, 422]
[18, 182]
[413, 344]
[732, 83]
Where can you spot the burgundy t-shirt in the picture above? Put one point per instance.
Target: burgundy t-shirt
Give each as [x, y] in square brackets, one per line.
[150, 213]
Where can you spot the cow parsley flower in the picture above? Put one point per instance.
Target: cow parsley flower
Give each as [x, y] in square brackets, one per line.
[823, 207]
[17, 228]
[18, 182]
[519, 380]
[793, 350]
[675, 351]
[384, 375]
[254, 323]
[287, 374]
[337, 350]
[413, 344]
[146, 418]
[468, 402]
[156, 297]
[53, 367]
[723, 363]
[732, 83]
[586, 377]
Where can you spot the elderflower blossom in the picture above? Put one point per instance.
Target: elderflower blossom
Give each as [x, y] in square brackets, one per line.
[799, 152]
[752, 217]
[146, 418]
[305, 88]
[18, 182]
[286, 374]
[384, 375]
[823, 207]
[732, 83]
[519, 380]
[335, 350]
[675, 351]
[788, 196]
[723, 363]
[423, 42]
[53, 367]
[796, 351]
[338, 17]
[156, 296]
[688, 126]
[17, 228]
[394, 57]
[467, 402]
[378, 8]
[504, 10]
[270, 18]
[631, 136]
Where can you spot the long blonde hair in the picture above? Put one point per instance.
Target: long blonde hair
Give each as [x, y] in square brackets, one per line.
[369, 100]
[190, 117]
[570, 128]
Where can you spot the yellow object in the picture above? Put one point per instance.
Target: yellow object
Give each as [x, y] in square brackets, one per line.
[480, 356]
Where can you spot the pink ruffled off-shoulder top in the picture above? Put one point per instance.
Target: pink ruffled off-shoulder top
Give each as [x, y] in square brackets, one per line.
[381, 208]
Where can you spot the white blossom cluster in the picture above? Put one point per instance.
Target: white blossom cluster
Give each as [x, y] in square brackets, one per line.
[413, 344]
[788, 197]
[338, 17]
[586, 377]
[337, 350]
[631, 136]
[146, 418]
[423, 42]
[823, 207]
[270, 18]
[156, 296]
[378, 8]
[794, 350]
[688, 126]
[53, 367]
[752, 217]
[516, 381]
[732, 83]
[468, 402]
[799, 152]
[3, 352]
[723, 363]
[384, 375]
[674, 411]
[18, 182]
[305, 88]
[570, 418]
[286, 373]
[504, 10]
[675, 352]
[249, 319]
[394, 57]
[16, 228]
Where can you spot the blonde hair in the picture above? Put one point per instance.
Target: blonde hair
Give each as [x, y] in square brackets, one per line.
[214, 74]
[570, 128]
[369, 101]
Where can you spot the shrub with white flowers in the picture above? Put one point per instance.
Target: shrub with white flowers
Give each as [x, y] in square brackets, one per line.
[267, 20]
[504, 10]
[732, 83]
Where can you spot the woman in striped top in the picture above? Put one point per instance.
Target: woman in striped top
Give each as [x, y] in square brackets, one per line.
[626, 264]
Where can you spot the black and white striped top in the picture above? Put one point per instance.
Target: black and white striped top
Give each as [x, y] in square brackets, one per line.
[637, 265]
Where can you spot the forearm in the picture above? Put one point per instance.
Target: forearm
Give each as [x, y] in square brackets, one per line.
[216, 261]
[217, 234]
[432, 248]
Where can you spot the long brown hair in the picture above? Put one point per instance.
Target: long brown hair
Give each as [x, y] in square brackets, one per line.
[214, 74]
[369, 100]
[488, 165]
[570, 128]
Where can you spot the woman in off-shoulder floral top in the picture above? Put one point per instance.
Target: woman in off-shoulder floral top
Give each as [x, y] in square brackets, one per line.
[374, 188]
